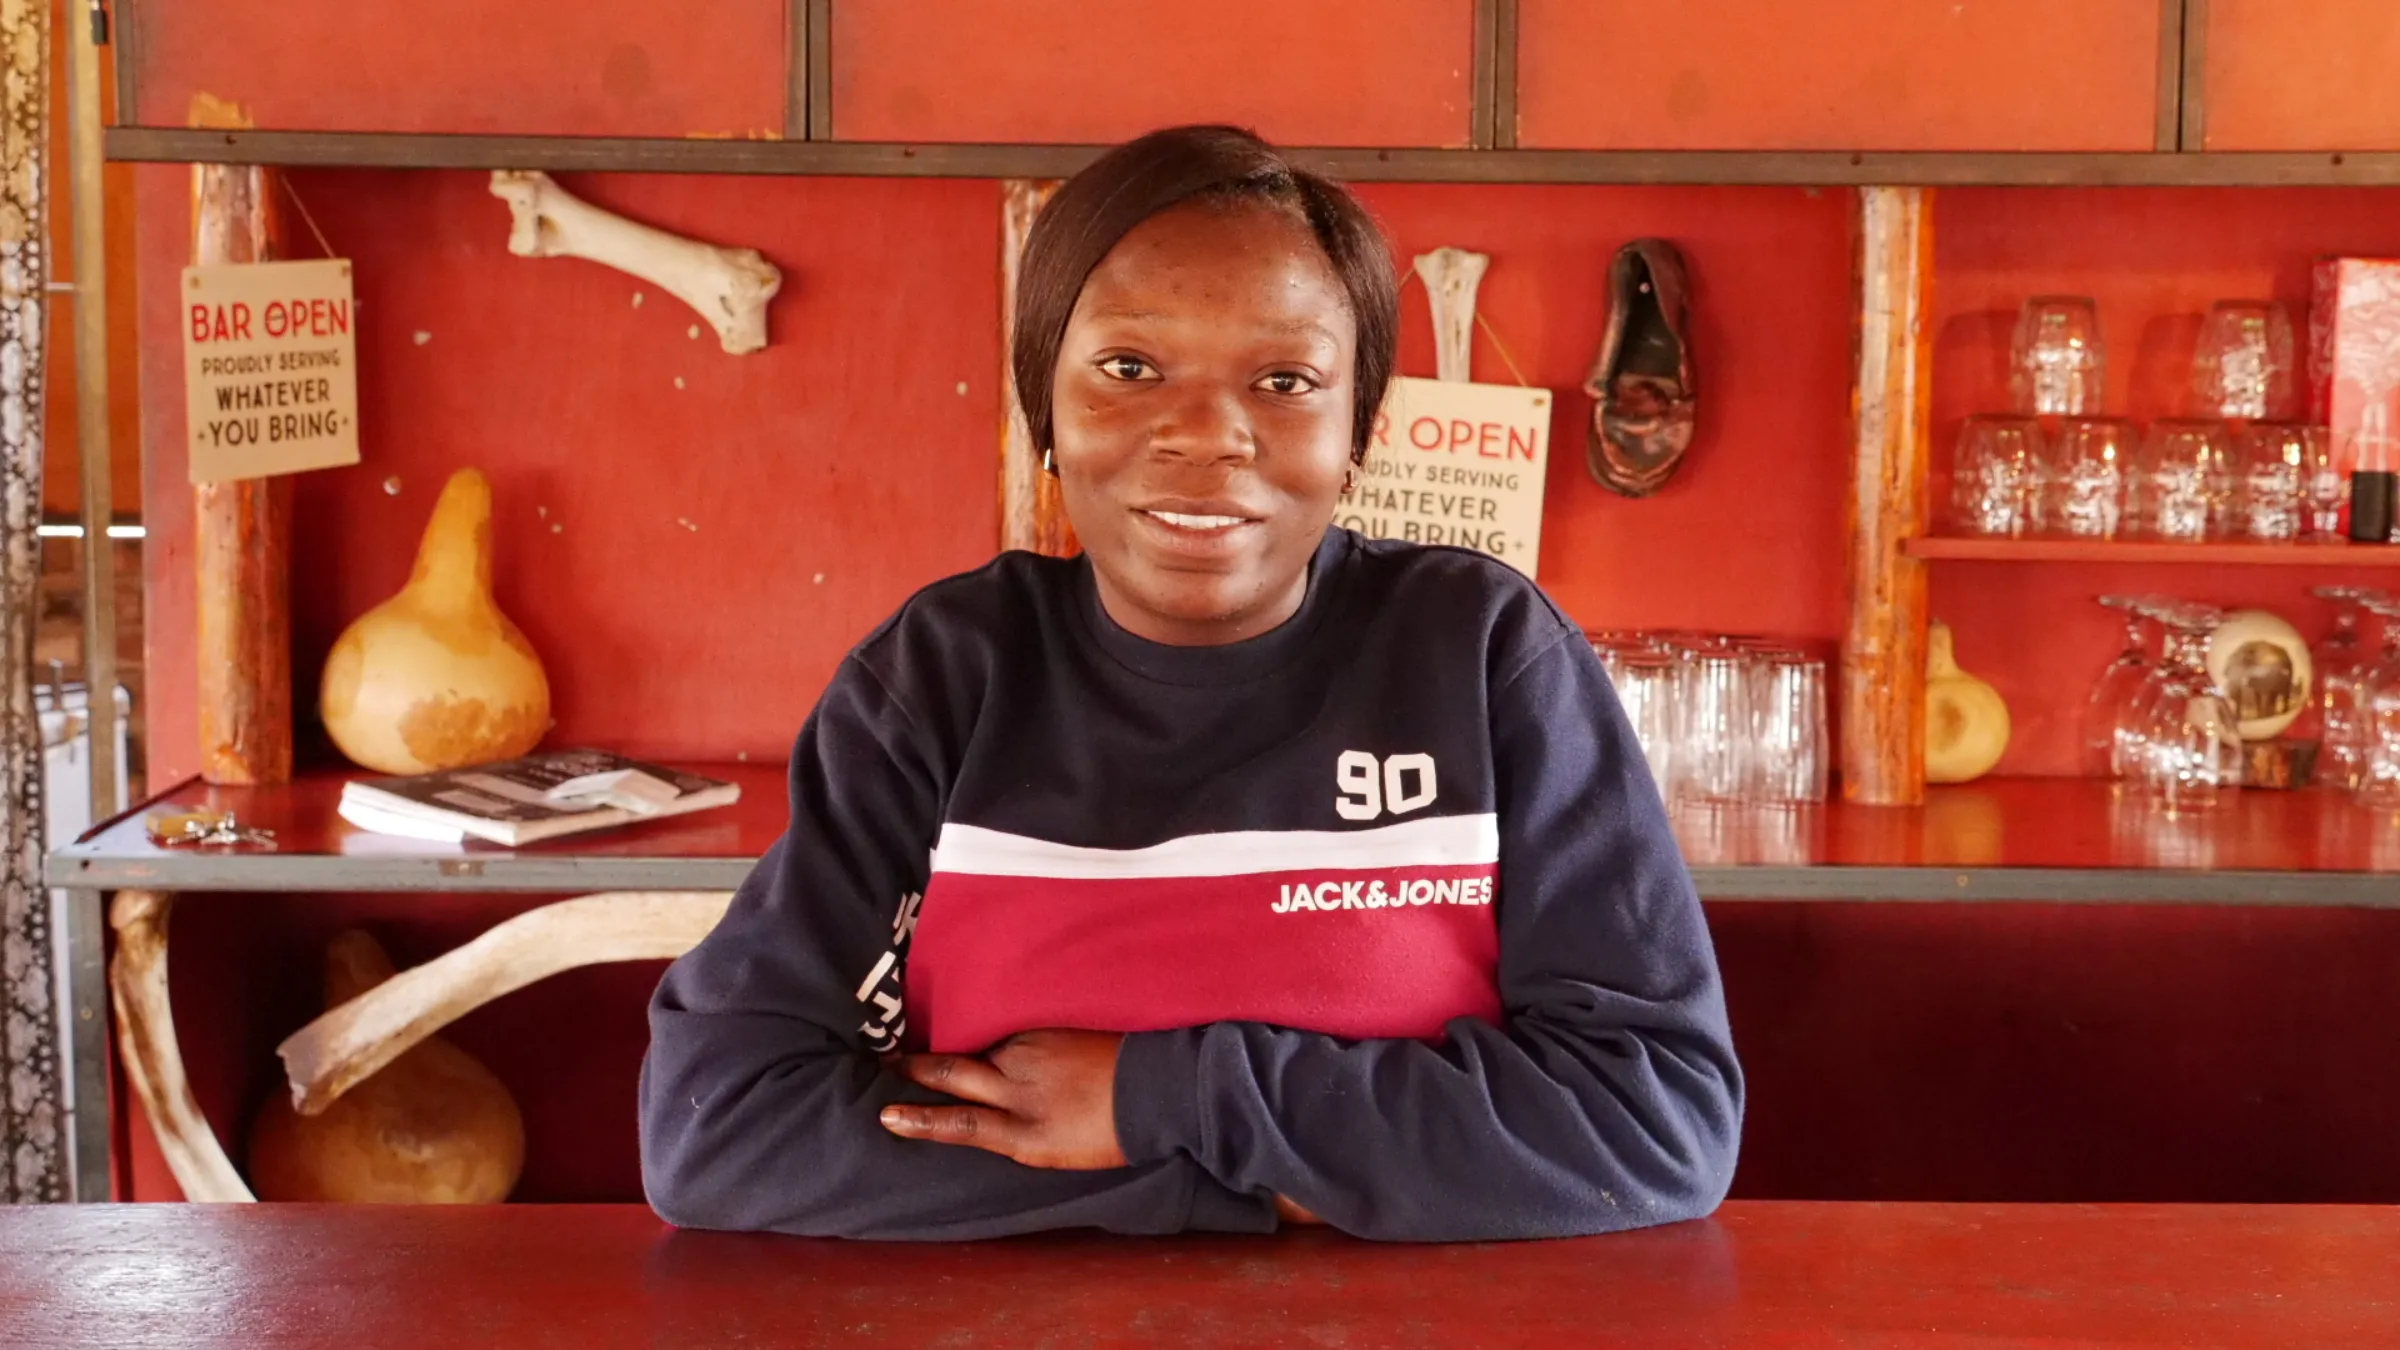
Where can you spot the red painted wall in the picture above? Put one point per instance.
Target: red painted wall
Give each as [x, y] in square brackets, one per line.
[1838, 74]
[532, 67]
[1331, 72]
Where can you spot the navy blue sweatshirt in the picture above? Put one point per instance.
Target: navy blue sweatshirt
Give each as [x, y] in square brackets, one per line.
[1384, 898]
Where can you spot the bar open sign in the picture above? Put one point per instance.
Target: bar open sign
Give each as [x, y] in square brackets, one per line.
[1457, 463]
[270, 368]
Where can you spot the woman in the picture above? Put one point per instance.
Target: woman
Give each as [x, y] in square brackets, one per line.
[1240, 868]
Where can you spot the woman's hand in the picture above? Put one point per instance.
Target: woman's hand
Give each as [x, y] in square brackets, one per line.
[1044, 1098]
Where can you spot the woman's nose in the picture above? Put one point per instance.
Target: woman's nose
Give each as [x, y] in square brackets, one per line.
[1207, 424]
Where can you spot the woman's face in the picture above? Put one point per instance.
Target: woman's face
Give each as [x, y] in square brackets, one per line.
[1201, 413]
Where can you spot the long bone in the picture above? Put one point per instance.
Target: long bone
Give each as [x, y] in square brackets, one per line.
[729, 287]
[153, 1058]
[1451, 276]
[348, 1044]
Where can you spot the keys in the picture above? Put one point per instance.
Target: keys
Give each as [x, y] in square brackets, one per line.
[204, 828]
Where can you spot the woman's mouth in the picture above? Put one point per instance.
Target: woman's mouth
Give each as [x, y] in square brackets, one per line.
[1199, 521]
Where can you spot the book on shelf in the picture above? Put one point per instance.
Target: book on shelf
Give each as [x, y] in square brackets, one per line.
[519, 801]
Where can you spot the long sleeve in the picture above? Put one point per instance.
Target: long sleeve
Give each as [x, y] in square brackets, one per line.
[760, 1092]
[1610, 1097]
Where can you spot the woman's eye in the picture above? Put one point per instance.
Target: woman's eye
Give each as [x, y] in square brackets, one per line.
[1288, 382]
[1125, 367]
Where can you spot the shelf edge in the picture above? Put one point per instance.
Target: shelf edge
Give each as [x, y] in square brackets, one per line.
[1792, 168]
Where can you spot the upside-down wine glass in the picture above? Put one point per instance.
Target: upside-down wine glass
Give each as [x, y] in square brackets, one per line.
[2379, 710]
[2108, 725]
[2191, 746]
[2341, 659]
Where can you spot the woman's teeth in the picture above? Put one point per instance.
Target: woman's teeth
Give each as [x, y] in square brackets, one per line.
[1198, 522]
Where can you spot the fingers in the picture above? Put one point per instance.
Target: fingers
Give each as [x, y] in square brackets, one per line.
[973, 1126]
[962, 1076]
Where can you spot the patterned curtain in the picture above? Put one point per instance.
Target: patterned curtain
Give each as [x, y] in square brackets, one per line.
[32, 1142]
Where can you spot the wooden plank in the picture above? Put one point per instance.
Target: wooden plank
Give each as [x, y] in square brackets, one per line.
[1774, 1275]
[796, 71]
[92, 410]
[1883, 654]
[820, 70]
[853, 159]
[2192, 100]
[1506, 28]
[242, 531]
[2170, 75]
[1032, 514]
[1487, 56]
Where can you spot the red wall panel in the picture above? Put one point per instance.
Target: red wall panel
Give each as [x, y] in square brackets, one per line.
[2313, 76]
[1747, 537]
[1838, 74]
[691, 540]
[2154, 260]
[1330, 72]
[550, 67]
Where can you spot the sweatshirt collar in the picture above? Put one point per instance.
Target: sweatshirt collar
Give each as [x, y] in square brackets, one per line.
[1226, 663]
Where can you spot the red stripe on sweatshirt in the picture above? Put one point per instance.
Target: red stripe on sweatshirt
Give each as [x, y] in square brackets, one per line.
[1352, 953]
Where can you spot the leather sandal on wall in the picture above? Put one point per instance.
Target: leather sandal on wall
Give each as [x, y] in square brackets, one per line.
[1644, 397]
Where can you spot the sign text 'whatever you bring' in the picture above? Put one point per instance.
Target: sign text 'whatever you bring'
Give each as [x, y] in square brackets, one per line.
[1456, 463]
[270, 368]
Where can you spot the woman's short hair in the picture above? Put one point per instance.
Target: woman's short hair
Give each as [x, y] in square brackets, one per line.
[1165, 169]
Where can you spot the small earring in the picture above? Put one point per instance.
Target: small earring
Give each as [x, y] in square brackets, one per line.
[1049, 466]
[1349, 482]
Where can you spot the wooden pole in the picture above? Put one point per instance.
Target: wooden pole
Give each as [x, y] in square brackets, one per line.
[1883, 656]
[242, 535]
[86, 164]
[1032, 515]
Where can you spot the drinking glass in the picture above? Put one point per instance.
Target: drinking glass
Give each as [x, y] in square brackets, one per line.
[1714, 748]
[2190, 751]
[2057, 357]
[2378, 782]
[1996, 477]
[1647, 689]
[2272, 480]
[2084, 481]
[2243, 366]
[2109, 725]
[2323, 489]
[2181, 486]
[1789, 719]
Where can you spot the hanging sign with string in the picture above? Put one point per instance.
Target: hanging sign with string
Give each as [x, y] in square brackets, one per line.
[1450, 461]
[270, 368]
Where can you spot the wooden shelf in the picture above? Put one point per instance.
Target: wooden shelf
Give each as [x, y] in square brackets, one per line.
[2332, 553]
[2008, 839]
[1830, 168]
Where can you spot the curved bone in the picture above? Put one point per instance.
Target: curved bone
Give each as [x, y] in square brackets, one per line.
[1451, 276]
[154, 1059]
[329, 1056]
[730, 287]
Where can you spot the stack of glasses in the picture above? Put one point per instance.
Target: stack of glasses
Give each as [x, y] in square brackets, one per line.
[1723, 720]
[2059, 468]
